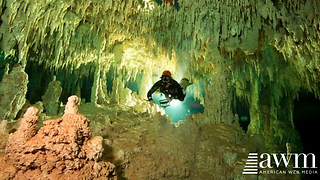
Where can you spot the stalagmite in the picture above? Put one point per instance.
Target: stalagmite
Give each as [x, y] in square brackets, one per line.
[51, 98]
[62, 148]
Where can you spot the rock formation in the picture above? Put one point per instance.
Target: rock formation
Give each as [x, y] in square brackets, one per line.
[71, 107]
[13, 89]
[61, 149]
[260, 54]
[51, 98]
[3, 134]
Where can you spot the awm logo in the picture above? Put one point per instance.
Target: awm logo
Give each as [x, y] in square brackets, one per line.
[266, 160]
[251, 166]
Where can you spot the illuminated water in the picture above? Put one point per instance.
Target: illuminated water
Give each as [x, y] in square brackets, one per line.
[178, 110]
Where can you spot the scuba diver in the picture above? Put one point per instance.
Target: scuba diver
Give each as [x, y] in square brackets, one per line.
[168, 2]
[169, 87]
[172, 3]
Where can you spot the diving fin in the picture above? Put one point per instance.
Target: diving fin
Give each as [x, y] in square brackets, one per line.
[184, 83]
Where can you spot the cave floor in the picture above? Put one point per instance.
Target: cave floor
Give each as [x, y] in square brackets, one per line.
[150, 146]
[146, 146]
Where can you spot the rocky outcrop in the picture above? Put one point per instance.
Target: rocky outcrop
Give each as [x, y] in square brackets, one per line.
[13, 89]
[61, 149]
[3, 134]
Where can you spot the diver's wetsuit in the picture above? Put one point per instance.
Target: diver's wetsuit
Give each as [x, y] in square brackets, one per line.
[173, 88]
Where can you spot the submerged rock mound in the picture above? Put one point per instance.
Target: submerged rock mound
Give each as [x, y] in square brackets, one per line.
[61, 149]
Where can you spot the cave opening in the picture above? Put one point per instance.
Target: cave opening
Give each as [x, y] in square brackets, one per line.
[110, 76]
[134, 83]
[72, 82]
[179, 110]
[306, 121]
[241, 108]
[39, 78]
[86, 87]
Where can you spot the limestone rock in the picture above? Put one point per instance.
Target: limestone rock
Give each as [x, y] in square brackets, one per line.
[13, 89]
[51, 97]
[93, 148]
[26, 129]
[71, 107]
[3, 134]
[61, 149]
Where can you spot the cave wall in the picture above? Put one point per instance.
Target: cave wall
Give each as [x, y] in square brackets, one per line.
[262, 52]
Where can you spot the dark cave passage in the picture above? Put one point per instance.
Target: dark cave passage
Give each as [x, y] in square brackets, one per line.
[306, 120]
[39, 78]
[241, 108]
[71, 81]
